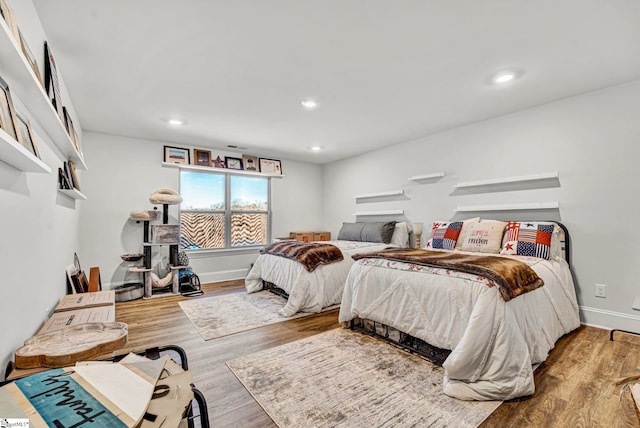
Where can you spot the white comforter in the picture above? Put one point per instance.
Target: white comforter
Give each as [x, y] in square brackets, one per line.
[308, 291]
[494, 343]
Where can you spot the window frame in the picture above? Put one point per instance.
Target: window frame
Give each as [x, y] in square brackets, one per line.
[228, 212]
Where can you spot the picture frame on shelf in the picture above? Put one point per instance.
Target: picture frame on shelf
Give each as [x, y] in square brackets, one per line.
[63, 181]
[71, 130]
[8, 119]
[28, 55]
[218, 162]
[25, 135]
[73, 174]
[7, 14]
[270, 166]
[202, 157]
[67, 173]
[177, 155]
[232, 163]
[250, 163]
[51, 82]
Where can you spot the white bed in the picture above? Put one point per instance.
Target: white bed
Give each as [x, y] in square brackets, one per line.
[321, 288]
[494, 342]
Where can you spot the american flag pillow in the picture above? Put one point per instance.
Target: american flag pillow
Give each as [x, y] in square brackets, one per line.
[444, 235]
[528, 239]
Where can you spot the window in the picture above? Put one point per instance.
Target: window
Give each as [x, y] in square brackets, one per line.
[221, 210]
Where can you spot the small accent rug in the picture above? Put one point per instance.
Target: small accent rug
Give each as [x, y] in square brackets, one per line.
[219, 316]
[342, 378]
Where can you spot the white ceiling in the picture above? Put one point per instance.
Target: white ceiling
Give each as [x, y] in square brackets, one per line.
[384, 71]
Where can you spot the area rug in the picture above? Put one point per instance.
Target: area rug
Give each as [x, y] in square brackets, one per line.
[219, 316]
[342, 378]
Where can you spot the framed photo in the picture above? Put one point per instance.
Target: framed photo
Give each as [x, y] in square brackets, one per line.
[250, 163]
[270, 166]
[8, 120]
[71, 130]
[232, 163]
[201, 157]
[25, 135]
[51, 84]
[73, 174]
[177, 155]
[7, 14]
[30, 58]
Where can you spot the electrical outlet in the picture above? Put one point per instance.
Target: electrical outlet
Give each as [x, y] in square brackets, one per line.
[601, 290]
[46, 313]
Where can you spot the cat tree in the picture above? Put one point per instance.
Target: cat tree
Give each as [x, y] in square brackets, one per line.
[156, 236]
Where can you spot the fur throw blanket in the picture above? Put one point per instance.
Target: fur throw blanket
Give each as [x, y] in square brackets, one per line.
[310, 254]
[512, 277]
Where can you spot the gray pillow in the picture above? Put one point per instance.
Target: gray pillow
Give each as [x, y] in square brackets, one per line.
[350, 231]
[367, 232]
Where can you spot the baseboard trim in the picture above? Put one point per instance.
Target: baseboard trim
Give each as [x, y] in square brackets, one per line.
[609, 320]
[223, 275]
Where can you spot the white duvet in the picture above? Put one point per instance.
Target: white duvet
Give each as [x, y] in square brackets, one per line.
[494, 343]
[308, 291]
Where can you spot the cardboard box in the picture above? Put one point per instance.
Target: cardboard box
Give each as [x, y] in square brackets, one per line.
[302, 236]
[86, 300]
[322, 236]
[79, 316]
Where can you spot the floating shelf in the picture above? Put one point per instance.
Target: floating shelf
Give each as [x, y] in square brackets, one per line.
[380, 194]
[16, 155]
[219, 170]
[427, 176]
[376, 213]
[24, 85]
[505, 180]
[72, 193]
[510, 207]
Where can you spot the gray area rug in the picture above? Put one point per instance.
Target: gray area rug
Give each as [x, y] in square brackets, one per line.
[342, 378]
[219, 316]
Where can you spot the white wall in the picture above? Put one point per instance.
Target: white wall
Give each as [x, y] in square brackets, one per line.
[591, 140]
[125, 171]
[38, 224]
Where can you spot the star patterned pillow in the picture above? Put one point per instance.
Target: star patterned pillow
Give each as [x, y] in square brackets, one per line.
[444, 235]
[528, 239]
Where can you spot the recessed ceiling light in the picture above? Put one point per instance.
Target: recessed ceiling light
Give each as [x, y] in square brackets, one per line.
[310, 103]
[315, 148]
[505, 76]
[176, 122]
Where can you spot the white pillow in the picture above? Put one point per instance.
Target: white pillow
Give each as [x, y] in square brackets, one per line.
[400, 235]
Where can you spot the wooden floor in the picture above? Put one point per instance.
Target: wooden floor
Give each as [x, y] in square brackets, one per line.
[574, 387]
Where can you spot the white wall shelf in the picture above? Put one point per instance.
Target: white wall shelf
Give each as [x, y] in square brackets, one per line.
[219, 170]
[24, 84]
[510, 207]
[427, 176]
[380, 194]
[16, 155]
[506, 180]
[72, 193]
[378, 213]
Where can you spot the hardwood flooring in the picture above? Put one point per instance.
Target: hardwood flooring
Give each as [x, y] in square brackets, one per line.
[574, 387]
